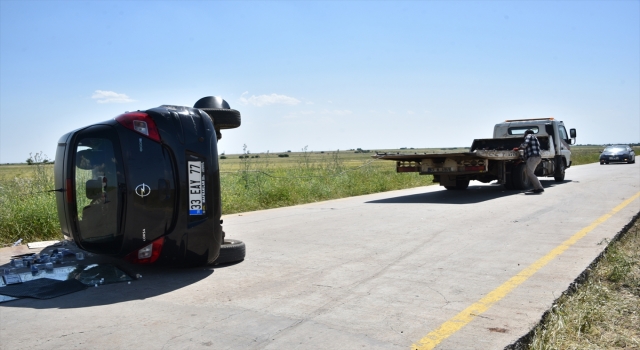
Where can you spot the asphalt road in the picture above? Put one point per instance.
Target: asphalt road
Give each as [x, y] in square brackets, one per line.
[421, 267]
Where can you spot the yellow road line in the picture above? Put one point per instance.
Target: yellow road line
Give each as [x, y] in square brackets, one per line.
[454, 324]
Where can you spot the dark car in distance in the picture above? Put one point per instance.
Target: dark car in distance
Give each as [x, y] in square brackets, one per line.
[145, 185]
[617, 153]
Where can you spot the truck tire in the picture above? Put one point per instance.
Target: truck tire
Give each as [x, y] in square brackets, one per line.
[559, 169]
[519, 177]
[508, 181]
[232, 250]
[461, 184]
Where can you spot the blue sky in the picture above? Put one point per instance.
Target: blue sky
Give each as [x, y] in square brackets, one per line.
[327, 74]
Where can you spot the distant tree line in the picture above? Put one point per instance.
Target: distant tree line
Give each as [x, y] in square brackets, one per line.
[38, 158]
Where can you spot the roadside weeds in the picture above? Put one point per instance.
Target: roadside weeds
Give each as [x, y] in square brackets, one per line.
[601, 308]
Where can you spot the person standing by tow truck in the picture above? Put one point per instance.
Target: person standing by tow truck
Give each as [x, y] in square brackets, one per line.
[531, 147]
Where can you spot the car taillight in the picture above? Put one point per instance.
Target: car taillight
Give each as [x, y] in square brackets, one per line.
[69, 191]
[147, 254]
[141, 123]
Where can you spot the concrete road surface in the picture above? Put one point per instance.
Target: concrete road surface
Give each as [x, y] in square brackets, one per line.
[419, 268]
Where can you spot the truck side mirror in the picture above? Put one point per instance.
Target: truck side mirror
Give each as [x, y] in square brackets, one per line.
[572, 133]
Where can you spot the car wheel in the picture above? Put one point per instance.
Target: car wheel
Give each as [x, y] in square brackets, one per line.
[232, 250]
[223, 118]
[519, 177]
[559, 170]
[220, 112]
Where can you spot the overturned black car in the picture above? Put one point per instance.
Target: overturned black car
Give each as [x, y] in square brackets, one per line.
[145, 185]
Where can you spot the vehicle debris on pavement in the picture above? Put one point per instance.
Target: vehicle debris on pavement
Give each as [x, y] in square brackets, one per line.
[55, 271]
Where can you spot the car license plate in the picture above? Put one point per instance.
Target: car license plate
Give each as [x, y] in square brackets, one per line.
[196, 188]
[613, 158]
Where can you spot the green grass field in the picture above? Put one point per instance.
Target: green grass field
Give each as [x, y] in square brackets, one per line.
[349, 158]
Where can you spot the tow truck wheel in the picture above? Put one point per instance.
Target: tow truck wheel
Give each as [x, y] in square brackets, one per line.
[232, 250]
[559, 170]
[461, 184]
[519, 177]
[508, 181]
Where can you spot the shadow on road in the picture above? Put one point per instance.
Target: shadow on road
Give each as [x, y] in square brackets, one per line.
[474, 194]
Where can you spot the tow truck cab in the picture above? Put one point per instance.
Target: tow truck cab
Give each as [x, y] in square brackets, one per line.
[559, 140]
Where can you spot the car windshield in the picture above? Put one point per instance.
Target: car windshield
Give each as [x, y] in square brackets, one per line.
[98, 171]
[615, 149]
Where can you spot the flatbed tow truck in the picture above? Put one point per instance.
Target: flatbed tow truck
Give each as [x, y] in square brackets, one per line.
[495, 159]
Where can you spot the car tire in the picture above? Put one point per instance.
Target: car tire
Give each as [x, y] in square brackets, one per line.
[519, 177]
[461, 184]
[559, 169]
[223, 118]
[231, 251]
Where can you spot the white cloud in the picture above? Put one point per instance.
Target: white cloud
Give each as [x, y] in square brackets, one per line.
[265, 100]
[110, 97]
[337, 112]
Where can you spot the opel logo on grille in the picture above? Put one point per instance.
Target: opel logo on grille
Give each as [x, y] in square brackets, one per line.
[143, 190]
